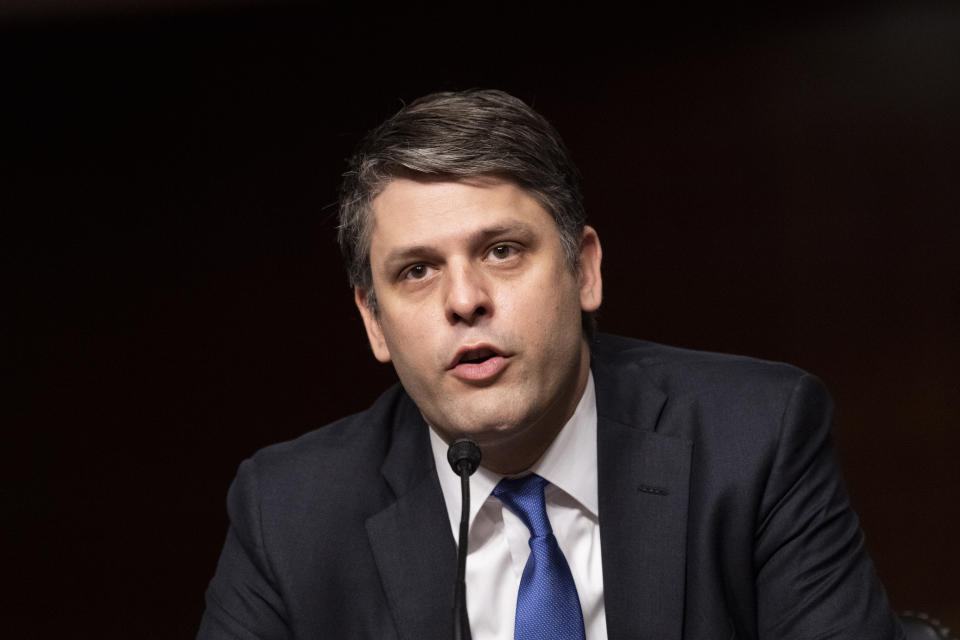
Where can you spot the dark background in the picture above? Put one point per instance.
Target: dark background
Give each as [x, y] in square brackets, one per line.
[782, 183]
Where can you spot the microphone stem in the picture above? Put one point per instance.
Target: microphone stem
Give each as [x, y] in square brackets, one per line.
[460, 618]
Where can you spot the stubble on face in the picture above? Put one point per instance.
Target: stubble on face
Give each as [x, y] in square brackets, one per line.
[451, 291]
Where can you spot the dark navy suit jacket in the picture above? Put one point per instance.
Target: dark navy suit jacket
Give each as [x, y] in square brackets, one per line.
[722, 515]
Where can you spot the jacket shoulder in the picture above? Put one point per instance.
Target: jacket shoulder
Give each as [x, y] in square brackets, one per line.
[676, 370]
[731, 400]
[334, 468]
[361, 436]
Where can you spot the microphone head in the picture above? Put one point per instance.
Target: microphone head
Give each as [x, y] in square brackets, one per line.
[464, 454]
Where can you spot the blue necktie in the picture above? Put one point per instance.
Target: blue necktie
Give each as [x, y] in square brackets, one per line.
[547, 605]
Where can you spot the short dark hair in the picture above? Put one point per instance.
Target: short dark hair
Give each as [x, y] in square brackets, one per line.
[457, 135]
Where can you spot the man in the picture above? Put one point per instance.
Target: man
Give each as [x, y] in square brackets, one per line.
[627, 490]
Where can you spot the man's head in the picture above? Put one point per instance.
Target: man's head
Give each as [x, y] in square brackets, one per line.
[456, 135]
[463, 230]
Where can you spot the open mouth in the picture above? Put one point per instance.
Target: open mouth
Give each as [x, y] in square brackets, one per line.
[480, 364]
[474, 355]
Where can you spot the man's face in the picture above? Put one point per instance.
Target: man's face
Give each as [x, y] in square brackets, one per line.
[478, 309]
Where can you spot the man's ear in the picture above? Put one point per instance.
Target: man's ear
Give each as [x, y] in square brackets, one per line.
[591, 284]
[372, 324]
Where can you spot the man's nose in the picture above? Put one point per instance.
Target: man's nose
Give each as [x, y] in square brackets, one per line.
[467, 295]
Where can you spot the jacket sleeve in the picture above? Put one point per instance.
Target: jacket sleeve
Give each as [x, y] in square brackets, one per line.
[814, 578]
[242, 600]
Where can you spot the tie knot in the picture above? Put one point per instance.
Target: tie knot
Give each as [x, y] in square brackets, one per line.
[524, 497]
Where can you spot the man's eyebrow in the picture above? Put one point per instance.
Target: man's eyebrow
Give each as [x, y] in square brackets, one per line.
[420, 251]
[405, 254]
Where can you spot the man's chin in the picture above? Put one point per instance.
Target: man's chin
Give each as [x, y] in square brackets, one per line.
[493, 432]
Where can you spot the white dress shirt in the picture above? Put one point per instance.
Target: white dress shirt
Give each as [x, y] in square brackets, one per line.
[499, 542]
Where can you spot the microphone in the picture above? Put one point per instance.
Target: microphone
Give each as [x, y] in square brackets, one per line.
[464, 453]
[464, 458]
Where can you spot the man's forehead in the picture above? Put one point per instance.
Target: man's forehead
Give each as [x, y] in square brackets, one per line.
[409, 208]
[426, 190]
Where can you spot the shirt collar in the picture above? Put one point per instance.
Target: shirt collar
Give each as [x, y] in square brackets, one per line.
[569, 463]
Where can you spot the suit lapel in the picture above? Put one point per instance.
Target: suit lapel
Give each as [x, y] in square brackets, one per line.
[643, 482]
[411, 539]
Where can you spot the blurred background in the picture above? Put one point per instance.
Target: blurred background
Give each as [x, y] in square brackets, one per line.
[778, 182]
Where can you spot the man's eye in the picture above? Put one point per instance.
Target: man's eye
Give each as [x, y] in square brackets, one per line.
[503, 251]
[416, 272]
